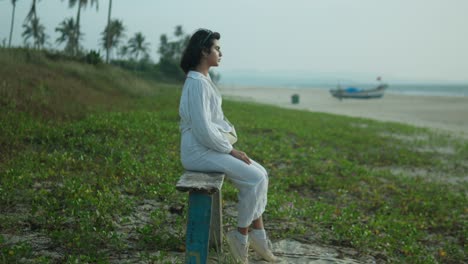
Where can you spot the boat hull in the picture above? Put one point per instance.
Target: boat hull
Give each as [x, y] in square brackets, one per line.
[362, 94]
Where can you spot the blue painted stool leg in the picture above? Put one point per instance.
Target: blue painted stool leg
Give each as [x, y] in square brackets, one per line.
[198, 228]
[216, 231]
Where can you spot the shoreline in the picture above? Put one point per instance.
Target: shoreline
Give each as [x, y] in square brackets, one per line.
[445, 113]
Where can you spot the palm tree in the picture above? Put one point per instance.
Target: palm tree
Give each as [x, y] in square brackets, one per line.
[67, 34]
[34, 29]
[123, 52]
[172, 50]
[32, 13]
[80, 4]
[138, 45]
[181, 43]
[108, 40]
[13, 2]
[112, 35]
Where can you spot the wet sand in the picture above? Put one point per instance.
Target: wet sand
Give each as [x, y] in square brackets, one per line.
[449, 114]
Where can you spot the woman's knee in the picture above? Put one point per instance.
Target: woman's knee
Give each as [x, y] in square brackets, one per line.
[252, 176]
[260, 167]
[257, 178]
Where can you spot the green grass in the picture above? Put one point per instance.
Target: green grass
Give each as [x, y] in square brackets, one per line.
[92, 173]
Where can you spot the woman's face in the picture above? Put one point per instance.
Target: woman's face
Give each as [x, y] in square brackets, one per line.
[214, 58]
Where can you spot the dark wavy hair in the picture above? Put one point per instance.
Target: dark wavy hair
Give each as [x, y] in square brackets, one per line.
[201, 40]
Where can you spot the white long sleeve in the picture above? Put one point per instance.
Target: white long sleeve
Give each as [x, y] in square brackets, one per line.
[200, 111]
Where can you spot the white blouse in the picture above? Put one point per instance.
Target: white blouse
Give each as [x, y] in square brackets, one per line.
[201, 114]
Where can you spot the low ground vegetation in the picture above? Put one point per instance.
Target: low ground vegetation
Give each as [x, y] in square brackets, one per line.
[90, 158]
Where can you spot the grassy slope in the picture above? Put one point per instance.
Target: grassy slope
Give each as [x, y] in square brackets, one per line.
[83, 147]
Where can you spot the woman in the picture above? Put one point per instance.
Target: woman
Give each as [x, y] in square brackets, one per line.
[205, 147]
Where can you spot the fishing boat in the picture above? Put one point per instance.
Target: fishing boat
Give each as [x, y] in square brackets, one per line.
[353, 92]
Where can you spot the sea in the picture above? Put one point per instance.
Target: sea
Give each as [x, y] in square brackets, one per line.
[430, 89]
[394, 86]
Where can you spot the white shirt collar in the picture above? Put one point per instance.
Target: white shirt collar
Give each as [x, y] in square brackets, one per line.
[197, 75]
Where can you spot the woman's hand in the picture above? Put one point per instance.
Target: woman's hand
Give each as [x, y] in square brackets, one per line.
[241, 155]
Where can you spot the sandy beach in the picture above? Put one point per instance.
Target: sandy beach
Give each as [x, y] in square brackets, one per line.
[437, 112]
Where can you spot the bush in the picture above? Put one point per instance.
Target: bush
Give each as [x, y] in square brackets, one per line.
[93, 57]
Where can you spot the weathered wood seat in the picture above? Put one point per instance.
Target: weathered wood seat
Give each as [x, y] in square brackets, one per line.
[204, 224]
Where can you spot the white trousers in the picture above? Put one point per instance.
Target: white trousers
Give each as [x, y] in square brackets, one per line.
[251, 180]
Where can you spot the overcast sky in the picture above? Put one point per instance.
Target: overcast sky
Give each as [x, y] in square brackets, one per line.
[421, 40]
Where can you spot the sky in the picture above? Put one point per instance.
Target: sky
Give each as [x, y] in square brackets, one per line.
[400, 40]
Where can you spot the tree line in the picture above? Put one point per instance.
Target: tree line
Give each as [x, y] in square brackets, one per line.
[132, 53]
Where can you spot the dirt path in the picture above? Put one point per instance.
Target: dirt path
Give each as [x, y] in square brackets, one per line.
[291, 251]
[295, 252]
[288, 251]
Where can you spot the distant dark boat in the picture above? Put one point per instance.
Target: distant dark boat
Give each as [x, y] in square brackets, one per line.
[352, 92]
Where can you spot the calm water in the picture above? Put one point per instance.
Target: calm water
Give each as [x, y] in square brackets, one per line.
[430, 89]
[419, 89]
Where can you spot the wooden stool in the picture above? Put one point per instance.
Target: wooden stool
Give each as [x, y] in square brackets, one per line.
[204, 225]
